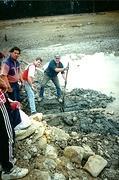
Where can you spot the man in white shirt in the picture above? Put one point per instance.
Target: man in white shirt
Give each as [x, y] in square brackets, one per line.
[28, 77]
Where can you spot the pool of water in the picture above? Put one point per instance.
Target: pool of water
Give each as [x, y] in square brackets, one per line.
[98, 72]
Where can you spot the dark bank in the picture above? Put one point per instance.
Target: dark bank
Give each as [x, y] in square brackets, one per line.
[12, 9]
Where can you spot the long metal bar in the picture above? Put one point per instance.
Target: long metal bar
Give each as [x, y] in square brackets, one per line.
[63, 97]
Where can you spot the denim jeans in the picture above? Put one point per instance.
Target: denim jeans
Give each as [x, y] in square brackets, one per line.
[31, 96]
[55, 80]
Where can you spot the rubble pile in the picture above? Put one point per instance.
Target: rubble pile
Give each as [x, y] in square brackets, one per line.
[75, 144]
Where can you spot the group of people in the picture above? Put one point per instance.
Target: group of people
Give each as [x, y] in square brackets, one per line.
[11, 76]
[55, 66]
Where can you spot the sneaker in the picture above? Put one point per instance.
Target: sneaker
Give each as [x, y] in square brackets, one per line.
[13, 162]
[34, 113]
[23, 125]
[25, 121]
[60, 100]
[15, 173]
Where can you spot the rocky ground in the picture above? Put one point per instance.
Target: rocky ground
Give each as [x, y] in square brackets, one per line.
[58, 145]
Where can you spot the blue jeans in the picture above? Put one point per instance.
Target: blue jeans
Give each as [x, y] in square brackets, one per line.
[55, 81]
[31, 96]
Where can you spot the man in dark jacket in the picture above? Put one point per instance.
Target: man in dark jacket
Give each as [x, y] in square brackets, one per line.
[55, 66]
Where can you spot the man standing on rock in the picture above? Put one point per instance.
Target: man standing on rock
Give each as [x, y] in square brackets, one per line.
[10, 70]
[55, 66]
[28, 77]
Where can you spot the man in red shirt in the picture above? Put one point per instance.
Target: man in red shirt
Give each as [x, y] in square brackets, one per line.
[28, 77]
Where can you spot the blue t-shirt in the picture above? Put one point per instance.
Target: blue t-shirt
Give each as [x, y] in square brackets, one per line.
[50, 71]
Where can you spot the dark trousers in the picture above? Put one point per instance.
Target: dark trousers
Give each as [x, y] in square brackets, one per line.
[15, 114]
[6, 138]
[16, 118]
[15, 94]
[55, 81]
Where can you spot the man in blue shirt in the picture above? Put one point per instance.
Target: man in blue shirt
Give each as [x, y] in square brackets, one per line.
[54, 67]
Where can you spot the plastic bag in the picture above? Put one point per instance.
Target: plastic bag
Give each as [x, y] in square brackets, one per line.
[25, 121]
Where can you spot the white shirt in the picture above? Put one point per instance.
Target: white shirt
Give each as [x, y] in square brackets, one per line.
[31, 71]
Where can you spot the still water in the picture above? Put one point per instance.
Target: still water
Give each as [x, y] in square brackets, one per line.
[98, 72]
